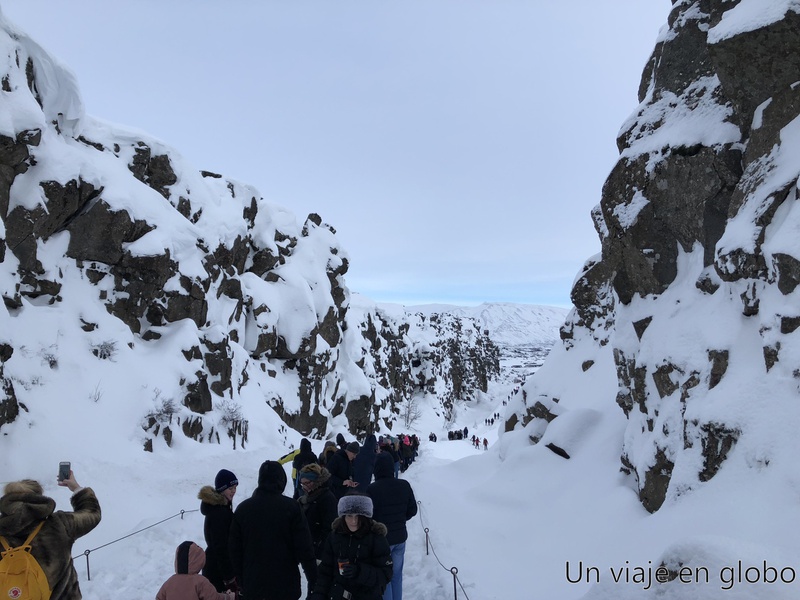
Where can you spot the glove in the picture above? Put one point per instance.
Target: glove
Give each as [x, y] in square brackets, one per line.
[231, 586]
[349, 571]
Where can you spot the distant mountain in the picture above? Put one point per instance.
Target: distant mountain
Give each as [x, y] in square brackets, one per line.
[508, 323]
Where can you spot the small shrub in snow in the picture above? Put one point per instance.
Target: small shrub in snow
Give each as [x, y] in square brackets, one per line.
[105, 350]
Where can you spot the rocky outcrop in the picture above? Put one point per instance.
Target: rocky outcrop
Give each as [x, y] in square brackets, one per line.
[700, 259]
[141, 261]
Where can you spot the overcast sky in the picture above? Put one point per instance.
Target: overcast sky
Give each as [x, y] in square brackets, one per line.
[457, 146]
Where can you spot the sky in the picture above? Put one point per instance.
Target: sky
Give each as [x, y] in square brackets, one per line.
[517, 521]
[456, 146]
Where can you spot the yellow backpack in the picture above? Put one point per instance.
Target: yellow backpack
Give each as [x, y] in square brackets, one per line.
[21, 575]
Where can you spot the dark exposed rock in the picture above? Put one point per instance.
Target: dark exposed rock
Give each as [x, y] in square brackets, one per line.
[717, 442]
[9, 407]
[655, 482]
[719, 366]
[117, 227]
[665, 384]
[788, 270]
[540, 411]
[155, 171]
[557, 450]
[789, 324]
[771, 355]
[641, 326]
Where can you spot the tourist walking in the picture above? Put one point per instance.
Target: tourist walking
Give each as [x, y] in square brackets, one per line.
[216, 506]
[356, 561]
[394, 504]
[269, 537]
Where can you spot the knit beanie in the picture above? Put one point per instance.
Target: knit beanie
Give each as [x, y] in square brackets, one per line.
[311, 472]
[224, 480]
[353, 447]
[355, 504]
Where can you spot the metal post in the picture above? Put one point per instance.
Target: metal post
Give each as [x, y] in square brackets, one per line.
[88, 572]
[427, 541]
[454, 571]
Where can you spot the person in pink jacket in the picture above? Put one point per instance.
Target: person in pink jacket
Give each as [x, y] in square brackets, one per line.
[187, 583]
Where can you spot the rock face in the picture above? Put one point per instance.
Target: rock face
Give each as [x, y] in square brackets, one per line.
[700, 259]
[165, 263]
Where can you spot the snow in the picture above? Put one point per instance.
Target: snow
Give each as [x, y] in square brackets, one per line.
[518, 521]
[627, 213]
[511, 520]
[749, 15]
[695, 117]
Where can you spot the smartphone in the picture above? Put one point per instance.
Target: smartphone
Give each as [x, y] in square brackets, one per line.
[63, 470]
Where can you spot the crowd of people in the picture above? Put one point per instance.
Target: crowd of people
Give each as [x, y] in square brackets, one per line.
[345, 528]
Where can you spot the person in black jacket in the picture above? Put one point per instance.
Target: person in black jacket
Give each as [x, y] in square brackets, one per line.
[394, 504]
[269, 536]
[356, 561]
[305, 457]
[318, 504]
[387, 445]
[216, 505]
[364, 462]
[340, 466]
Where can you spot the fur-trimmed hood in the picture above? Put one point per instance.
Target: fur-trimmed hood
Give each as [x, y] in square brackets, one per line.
[208, 495]
[376, 527]
[23, 505]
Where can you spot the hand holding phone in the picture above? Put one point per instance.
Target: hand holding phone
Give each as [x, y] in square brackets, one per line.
[64, 469]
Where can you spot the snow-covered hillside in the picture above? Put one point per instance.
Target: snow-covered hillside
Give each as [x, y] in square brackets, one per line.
[125, 254]
[508, 324]
[524, 333]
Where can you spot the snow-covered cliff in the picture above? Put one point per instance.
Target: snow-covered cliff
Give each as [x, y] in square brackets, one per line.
[690, 309]
[131, 279]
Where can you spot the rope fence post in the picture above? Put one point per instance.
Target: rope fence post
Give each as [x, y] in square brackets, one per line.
[87, 552]
[88, 572]
[430, 548]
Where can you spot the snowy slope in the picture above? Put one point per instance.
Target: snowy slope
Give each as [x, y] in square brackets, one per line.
[507, 323]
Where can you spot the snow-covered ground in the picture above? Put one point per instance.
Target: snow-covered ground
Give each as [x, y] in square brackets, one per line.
[511, 520]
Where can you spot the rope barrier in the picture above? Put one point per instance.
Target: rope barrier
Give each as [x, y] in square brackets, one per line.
[429, 545]
[86, 553]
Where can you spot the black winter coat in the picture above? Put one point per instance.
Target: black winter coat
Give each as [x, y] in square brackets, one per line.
[305, 457]
[269, 536]
[218, 515]
[393, 500]
[368, 549]
[364, 462]
[320, 508]
[340, 469]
